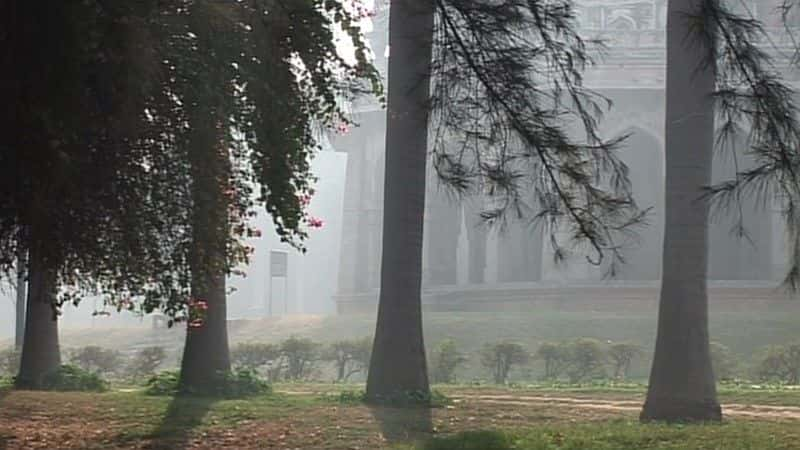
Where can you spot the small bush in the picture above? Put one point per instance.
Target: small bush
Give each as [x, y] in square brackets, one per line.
[556, 359]
[73, 378]
[780, 363]
[299, 355]
[500, 358]
[621, 355]
[237, 384]
[146, 362]
[163, 383]
[258, 357]
[9, 362]
[350, 357]
[96, 359]
[586, 360]
[723, 362]
[445, 359]
[241, 384]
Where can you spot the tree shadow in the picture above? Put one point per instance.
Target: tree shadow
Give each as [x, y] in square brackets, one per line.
[404, 425]
[184, 414]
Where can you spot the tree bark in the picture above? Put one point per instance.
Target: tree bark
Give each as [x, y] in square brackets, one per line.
[206, 353]
[398, 363]
[682, 386]
[40, 349]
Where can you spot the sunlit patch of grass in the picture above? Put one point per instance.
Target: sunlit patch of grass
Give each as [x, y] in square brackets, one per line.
[625, 435]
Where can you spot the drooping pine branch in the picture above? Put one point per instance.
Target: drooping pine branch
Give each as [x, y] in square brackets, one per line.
[508, 88]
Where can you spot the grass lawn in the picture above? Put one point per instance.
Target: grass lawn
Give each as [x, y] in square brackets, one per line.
[300, 416]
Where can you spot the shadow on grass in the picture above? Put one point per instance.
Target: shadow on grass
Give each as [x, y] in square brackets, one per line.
[183, 416]
[404, 425]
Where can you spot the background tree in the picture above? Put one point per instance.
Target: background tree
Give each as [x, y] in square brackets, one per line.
[506, 139]
[398, 363]
[714, 67]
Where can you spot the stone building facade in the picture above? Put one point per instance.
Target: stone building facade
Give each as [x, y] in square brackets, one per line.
[465, 261]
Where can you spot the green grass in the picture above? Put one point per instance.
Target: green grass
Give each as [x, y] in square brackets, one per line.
[132, 419]
[623, 435]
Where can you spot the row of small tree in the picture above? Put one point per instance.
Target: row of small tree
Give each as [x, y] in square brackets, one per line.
[105, 362]
[585, 359]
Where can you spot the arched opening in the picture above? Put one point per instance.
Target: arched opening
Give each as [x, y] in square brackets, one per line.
[731, 255]
[642, 153]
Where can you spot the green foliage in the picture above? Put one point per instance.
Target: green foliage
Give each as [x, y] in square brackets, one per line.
[299, 355]
[621, 355]
[624, 435]
[500, 358]
[9, 362]
[145, 362]
[445, 360]
[240, 383]
[349, 356]
[586, 360]
[163, 383]
[472, 440]
[73, 378]
[556, 357]
[780, 363]
[96, 359]
[258, 357]
[723, 361]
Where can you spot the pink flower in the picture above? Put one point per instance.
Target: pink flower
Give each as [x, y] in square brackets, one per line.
[196, 323]
[201, 304]
[314, 222]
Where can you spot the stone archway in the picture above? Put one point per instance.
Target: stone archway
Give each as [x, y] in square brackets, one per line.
[643, 153]
[732, 256]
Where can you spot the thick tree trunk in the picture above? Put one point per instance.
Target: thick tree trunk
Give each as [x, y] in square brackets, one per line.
[398, 362]
[40, 349]
[206, 353]
[682, 386]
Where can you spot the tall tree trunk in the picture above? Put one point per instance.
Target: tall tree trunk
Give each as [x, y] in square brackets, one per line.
[682, 386]
[206, 353]
[22, 293]
[398, 362]
[40, 349]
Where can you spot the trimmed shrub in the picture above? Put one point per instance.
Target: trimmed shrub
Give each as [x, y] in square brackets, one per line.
[556, 357]
[73, 378]
[445, 360]
[349, 356]
[96, 359]
[500, 358]
[299, 355]
[723, 362]
[232, 385]
[9, 362]
[587, 360]
[621, 355]
[146, 362]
